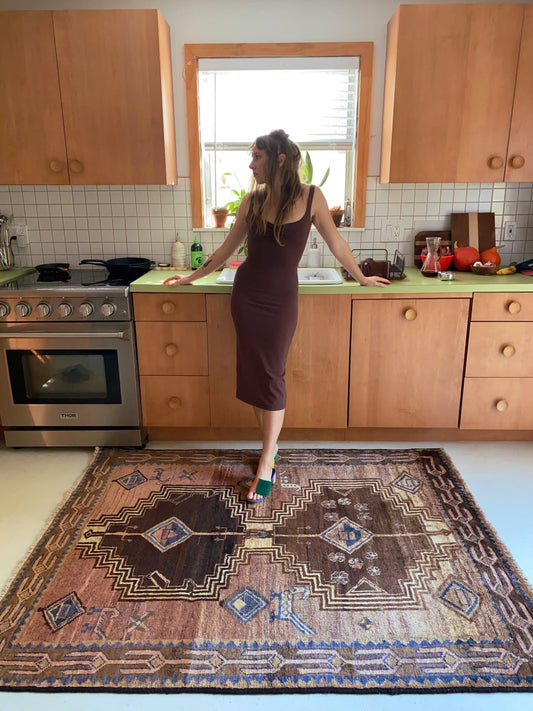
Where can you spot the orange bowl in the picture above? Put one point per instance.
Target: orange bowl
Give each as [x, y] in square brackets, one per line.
[445, 261]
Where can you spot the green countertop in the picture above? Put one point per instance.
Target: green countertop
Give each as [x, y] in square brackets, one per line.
[415, 283]
[11, 274]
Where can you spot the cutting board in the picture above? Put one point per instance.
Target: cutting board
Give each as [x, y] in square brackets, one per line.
[474, 229]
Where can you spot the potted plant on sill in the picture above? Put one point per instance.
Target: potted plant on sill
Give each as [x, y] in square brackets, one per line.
[221, 215]
[336, 213]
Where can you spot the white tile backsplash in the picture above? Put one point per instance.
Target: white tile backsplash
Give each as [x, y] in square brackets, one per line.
[70, 223]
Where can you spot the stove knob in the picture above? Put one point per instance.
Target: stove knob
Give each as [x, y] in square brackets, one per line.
[86, 309]
[4, 309]
[107, 309]
[65, 309]
[23, 309]
[43, 309]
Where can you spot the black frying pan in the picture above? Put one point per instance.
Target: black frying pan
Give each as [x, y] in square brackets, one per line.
[123, 267]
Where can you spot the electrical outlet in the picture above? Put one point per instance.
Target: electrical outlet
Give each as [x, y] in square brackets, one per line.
[392, 229]
[509, 231]
[21, 233]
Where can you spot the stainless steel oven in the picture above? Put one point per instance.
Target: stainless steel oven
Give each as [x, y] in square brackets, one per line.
[68, 371]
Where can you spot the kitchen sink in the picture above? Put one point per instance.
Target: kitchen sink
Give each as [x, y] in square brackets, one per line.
[306, 275]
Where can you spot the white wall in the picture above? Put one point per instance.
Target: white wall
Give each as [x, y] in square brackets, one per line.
[205, 21]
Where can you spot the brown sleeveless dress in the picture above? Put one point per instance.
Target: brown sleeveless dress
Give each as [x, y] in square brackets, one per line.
[264, 307]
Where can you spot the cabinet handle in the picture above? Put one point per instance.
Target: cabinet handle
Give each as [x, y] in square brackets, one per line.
[517, 162]
[495, 162]
[171, 349]
[502, 405]
[174, 403]
[514, 307]
[167, 307]
[56, 166]
[76, 166]
[410, 314]
[508, 351]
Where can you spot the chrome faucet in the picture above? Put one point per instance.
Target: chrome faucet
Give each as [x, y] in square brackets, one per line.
[7, 261]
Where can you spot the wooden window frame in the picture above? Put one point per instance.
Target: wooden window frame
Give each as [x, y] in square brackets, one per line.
[363, 50]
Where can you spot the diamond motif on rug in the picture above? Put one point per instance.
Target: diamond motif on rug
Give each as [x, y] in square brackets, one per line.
[347, 535]
[168, 534]
[460, 598]
[245, 604]
[63, 611]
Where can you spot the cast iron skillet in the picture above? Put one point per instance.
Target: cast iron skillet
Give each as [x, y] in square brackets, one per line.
[123, 267]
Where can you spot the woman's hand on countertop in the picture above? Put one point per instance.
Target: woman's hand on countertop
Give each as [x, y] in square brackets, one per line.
[177, 280]
[374, 281]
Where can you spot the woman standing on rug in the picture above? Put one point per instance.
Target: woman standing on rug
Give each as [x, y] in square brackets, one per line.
[276, 218]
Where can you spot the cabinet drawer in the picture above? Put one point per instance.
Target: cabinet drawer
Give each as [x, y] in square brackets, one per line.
[497, 404]
[500, 350]
[169, 307]
[172, 348]
[502, 307]
[175, 401]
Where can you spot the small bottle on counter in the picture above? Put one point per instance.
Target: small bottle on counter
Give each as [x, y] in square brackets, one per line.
[197, 254]
[178, 260]
[313, 258]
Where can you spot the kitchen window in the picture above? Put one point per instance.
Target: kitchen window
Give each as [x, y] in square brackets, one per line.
[318, 93]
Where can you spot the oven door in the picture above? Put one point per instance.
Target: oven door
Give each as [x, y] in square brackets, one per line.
[68, 375]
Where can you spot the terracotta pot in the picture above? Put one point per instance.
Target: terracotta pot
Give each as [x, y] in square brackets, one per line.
[220, 217]
[337, 216]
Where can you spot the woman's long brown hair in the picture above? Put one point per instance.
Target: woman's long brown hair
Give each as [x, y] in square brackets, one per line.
[273, 144]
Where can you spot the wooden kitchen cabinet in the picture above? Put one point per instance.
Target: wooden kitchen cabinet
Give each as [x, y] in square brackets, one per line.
[171, 332]
[317, 367]
[407, 360]
[499, 364]
[458, 104]
[86, 98]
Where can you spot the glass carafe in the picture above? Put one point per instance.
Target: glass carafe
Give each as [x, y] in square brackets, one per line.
[431, 266]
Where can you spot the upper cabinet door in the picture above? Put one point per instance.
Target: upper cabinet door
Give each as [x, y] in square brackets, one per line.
[32, 141]
[116, 89]
[520, 154]
[449, 90]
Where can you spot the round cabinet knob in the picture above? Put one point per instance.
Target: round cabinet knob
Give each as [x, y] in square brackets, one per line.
[86, 309]
[76, 166]
[43, 309]
[514, 307]
[23, 309]
[56, 166]
[4, 309]
[174, 403]
[502, 405]
[517, 161]
[107, 309]
[495, 162]
[508, 351]
[171, 349]
[410, 314]
[65, 309]
[167, 307]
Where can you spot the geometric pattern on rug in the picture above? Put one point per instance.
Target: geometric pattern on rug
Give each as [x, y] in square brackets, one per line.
[366, 570]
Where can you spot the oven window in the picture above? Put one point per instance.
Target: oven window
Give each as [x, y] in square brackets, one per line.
[64, 376]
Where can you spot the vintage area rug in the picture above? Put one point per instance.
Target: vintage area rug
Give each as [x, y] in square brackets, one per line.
[364, 571]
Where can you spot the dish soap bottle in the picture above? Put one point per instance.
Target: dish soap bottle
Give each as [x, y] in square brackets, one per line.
[197, 254]
[313, 258]
[178, 260]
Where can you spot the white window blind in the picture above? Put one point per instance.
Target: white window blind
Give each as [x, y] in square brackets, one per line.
[314, 99]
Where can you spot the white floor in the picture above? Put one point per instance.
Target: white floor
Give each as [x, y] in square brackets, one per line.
[33, 482]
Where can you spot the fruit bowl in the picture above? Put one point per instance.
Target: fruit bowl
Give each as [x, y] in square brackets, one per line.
[445, 261]
[484, 270]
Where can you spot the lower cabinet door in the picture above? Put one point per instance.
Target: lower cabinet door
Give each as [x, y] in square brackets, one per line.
[497, 404]
[175, 401]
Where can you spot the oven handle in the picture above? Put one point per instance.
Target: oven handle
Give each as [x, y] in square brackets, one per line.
[123, 335]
